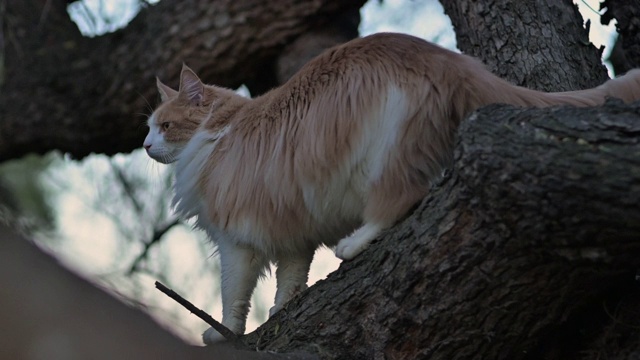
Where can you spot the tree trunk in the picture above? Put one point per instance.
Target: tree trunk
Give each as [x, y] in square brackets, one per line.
[538, 44]
[515, 254]
[62, 91]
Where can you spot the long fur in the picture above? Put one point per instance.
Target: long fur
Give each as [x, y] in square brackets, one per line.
[352, 140]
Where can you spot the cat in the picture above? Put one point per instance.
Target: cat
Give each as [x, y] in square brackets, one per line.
[335, 155]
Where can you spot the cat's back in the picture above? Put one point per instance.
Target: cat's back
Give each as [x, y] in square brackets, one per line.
[374, 53]
[364, 69]
[380, 48]
[297, 162]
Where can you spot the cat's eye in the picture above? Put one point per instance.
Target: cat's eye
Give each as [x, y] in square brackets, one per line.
[166, 125]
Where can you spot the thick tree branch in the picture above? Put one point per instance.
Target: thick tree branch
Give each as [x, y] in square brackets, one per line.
[81, 95]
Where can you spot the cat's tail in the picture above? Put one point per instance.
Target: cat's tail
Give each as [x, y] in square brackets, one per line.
[626, 88]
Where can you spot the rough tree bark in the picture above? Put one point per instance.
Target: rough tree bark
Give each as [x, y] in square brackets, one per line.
[62, 91]
[538, 44]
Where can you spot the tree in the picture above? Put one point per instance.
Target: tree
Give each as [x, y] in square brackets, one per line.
[81, 95]
[526, 249]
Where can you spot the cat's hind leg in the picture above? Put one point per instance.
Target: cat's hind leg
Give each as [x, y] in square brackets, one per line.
[387, 203]
[240, 268]
[355, 243]
[292, 274]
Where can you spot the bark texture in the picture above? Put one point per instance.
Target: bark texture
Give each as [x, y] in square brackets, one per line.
[62, 91]
[516, 254]
[538, 44]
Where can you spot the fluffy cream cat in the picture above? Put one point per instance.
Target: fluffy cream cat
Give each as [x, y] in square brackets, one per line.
[340, 152]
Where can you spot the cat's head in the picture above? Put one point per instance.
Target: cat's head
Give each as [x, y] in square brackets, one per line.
[177, 118]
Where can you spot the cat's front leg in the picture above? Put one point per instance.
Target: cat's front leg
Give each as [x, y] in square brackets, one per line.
[292, 274]
[240, 268]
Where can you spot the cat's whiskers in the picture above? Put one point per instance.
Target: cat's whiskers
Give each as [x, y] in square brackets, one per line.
[149, 107]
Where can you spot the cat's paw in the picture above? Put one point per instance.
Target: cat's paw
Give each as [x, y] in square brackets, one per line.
[281, 300]
[211, 336]
[354, 244]
[347, 248]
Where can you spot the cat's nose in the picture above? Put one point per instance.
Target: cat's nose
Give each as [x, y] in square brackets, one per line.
[146, 146]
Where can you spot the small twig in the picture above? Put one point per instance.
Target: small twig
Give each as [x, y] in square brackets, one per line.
[228, 334]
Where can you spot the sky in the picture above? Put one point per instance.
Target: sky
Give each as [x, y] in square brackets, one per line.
[93, 241]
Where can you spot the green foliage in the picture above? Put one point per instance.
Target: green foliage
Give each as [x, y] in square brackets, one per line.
[24, 196]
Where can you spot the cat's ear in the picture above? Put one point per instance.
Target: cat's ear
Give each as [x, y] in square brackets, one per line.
[166, 92]
[191, 88]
